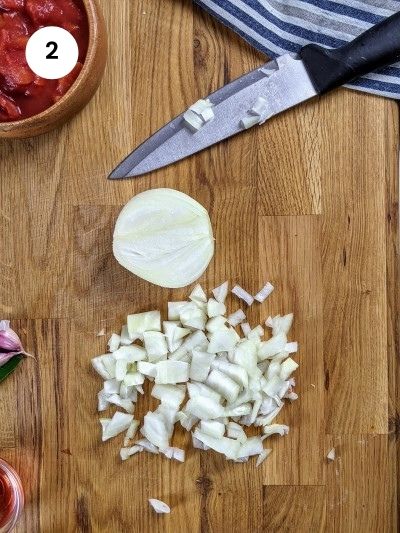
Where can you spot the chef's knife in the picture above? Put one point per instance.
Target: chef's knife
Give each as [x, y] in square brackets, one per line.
[284, 83]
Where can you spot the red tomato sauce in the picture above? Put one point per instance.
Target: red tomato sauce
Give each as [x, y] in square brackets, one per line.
[22, 93]
[6, 499]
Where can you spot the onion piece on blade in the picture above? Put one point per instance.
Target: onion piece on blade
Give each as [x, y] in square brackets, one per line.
[249, 121]
[192, 121]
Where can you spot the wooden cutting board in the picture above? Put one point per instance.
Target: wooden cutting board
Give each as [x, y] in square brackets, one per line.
[308, 201]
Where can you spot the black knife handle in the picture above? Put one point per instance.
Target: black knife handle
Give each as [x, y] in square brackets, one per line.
[377, 47]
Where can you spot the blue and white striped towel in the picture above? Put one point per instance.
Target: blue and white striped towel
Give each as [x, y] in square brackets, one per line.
[279, 26]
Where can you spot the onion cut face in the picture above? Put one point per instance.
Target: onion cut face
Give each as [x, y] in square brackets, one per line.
[205, 376]
[165, 237]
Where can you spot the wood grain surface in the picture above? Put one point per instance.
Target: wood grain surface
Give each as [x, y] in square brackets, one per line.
[309, 202]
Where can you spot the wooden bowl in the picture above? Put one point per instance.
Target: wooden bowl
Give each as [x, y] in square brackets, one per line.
[81, 91]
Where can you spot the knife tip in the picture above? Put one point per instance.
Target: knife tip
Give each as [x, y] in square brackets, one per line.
[119, 174]
[116, 174]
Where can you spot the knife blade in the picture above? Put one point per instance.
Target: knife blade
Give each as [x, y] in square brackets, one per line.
[285, 82]
[231, 103]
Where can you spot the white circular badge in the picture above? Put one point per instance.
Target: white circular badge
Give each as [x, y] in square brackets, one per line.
[52, 52]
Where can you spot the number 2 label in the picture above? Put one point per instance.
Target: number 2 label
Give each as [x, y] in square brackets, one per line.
[51, 55]
[52, 52]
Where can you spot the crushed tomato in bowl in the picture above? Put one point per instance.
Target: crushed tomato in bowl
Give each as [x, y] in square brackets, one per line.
[23, 93]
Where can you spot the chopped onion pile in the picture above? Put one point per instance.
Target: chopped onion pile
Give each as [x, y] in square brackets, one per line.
[198, 114]
[207, 378]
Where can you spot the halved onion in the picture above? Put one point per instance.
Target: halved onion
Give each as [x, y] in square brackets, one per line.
[165, 237]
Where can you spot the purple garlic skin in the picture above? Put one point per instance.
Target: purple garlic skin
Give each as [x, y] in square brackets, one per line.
[10, 343]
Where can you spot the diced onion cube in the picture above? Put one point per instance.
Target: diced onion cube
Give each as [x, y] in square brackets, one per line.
[170, 394]
[223, 384]
[131, 353]
[246, 328]
[216, 323]
[236, 318]
[192, 121]
[172, 372]
[141, 322]
[213, 427]
[148, 369]
[287, 368]
[263, 294]
[221, 292]
[291, 347]
[259, 107]
[276, 429]
[271, 347]
[125, 453]
[124, 337]
[249, 121]
[215, 308]
[331, 456]
[222, 341]
[155, 345]
[119, 422]
[229, 447]
[174, 309]
[114, 342]
[204, 408]
[198, 295]
[200, 365]
[159, 506]
[263, 455]
[242, 294]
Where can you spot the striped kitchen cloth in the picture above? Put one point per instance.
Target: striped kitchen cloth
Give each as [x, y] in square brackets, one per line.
[279, 26]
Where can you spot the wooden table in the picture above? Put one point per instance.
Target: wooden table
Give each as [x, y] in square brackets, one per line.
[308, 202]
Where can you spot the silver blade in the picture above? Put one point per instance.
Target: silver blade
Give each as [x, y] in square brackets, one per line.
[283, 82]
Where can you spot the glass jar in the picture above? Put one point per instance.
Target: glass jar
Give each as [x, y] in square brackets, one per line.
[11, 497]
